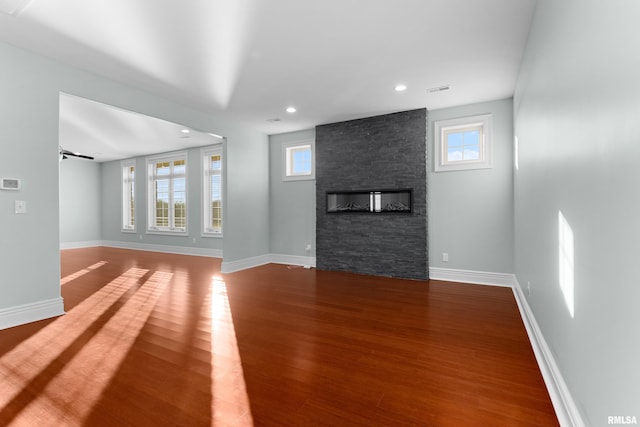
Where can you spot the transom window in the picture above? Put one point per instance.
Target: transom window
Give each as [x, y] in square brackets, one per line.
[463, 143]
[212, 194]
[298, 160]
[167, 191]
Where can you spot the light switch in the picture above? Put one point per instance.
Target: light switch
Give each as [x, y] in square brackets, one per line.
[21, 206]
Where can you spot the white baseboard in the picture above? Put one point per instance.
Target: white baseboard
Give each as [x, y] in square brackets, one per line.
[180, 250]
[243, 264]
[27, 313]
[78, 245]
[304, 261]
[563, 403]
[470, 276]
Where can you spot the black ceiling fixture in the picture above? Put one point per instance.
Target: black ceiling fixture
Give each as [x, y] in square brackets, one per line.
[64, 154]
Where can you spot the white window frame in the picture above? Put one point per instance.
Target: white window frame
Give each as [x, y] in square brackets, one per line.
[444, 127]
[287, 160]
[151, 207]
[128, 189]
[206, 154]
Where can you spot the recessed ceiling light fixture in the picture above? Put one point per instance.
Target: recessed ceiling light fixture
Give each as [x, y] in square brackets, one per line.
[291, 109]
[439, 89]
[400, 87]
[185, 131]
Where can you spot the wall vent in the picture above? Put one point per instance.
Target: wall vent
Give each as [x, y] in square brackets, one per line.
[439, 89]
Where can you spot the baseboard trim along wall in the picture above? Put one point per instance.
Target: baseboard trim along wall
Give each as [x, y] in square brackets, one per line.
[180, 250]
[302, 261]
[78, 245]
[27, 313]
[563, 403]
[243, 264]
[470, 276]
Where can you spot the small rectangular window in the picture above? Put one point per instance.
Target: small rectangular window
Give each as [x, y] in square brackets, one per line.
[212, 191]
[129, 196]
[463, 143]
[167, 192]
[298, 160]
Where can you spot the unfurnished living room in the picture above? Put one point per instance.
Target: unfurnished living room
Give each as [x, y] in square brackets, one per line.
[335, 213]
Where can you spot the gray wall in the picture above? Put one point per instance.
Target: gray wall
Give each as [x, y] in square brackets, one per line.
[30, 85]
[292, 204]
[382, 152]
[80, 204]
[576, 110]
[471, 211]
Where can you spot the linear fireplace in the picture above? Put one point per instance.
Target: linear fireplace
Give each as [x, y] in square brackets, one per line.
[369, 201]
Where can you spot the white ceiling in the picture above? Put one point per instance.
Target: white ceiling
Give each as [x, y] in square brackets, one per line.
[109, 133]
[248, 60]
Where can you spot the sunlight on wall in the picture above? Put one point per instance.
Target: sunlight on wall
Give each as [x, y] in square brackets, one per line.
[82, 272]
[566, 261]
[516, 153]
[230, 405]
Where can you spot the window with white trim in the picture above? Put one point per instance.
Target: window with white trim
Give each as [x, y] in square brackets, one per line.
[212, 191]
[298, 160]
[167, 193]
[128, 195]
[463, 143]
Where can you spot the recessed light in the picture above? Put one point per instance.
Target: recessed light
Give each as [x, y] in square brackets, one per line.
[291, 109]
[400, 88]
[185, 131]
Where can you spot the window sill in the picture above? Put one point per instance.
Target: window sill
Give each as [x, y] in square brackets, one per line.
[168, 232]
[299, 178]
[212, 235]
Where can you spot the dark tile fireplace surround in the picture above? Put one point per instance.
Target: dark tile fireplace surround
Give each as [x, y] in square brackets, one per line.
[371, 195]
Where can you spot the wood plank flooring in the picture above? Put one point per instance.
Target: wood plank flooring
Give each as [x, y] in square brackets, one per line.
[153, 339]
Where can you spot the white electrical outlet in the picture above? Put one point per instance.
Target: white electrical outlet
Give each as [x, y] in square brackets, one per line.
[21, 206]
[445, 257]
[308, 248]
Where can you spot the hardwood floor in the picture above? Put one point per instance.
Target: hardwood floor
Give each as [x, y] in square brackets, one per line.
[153, 339]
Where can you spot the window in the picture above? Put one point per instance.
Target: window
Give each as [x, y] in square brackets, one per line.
[212, 187]
[463, 143]
[128, 196]
[298, 160]
[167, 191]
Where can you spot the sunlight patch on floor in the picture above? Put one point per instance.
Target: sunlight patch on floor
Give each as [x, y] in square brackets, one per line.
[26, 361]
[69, 397]
[82, 272]
[230, 401]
